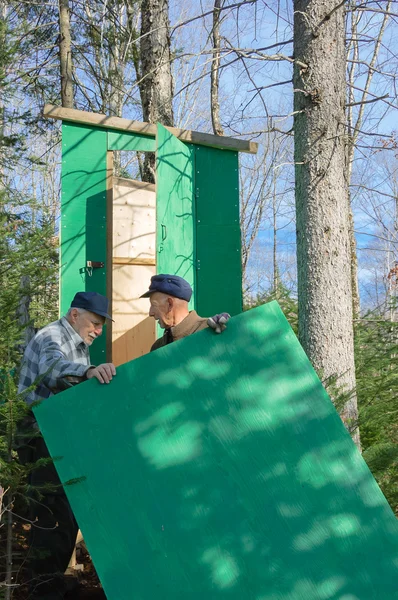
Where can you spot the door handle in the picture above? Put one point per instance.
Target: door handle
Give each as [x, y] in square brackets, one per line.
[164, 232]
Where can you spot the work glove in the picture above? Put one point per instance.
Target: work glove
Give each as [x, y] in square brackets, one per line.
[218, 322]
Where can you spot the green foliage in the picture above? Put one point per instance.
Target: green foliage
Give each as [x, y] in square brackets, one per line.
[13, 410]
[377, 389]
[285, 300]
[28, 269]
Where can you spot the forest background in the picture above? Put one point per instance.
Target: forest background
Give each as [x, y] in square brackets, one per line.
[229, 68]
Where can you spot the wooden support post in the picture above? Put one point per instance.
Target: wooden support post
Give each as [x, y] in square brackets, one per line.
[109, 248]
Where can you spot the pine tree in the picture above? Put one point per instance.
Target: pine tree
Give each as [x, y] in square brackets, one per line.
[377, 389]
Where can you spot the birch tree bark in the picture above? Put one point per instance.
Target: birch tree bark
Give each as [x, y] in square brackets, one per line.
[322, 207]
[65, 54]
[155, 78]
[215, 71]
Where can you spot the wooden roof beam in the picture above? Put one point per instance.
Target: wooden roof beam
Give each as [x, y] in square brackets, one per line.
[126, 125]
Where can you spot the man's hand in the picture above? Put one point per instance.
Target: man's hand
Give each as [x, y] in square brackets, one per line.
[218, 322]
[103, 373]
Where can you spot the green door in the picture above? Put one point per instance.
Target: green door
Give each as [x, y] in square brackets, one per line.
[175, 239]
[218, 240]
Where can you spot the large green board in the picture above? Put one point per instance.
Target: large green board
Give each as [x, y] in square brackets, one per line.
[83, 216]
[217, 468]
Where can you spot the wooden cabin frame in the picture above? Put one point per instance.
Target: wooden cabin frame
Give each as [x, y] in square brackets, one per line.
[194, 220]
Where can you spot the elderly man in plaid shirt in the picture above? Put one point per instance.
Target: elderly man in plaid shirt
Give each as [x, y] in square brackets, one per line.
[57, 357]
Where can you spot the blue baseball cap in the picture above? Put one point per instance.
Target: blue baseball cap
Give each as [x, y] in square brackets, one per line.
[95, 303]
[173, 285]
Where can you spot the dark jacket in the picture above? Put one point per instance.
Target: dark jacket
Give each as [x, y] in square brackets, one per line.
[191, 324]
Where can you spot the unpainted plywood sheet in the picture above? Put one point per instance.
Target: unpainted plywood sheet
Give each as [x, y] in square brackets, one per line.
[217, 468]
[133, 331]
[134, 222]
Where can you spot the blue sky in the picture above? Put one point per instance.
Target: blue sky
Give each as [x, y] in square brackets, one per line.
[245, 110]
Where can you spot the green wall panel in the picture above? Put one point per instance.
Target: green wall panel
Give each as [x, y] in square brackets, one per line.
[130, 141]
[83, 216]
[218, 240]
[219, 274]
[175, 236]
[217, 468]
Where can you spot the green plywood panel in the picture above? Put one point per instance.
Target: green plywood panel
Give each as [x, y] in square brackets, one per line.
[83, 216]
[219, 275]
[130, 141]
[218, 241]
[217, 468]
[217, 183]
[175, 207]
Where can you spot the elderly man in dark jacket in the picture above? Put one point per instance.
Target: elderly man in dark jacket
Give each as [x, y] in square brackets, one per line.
[169, 296]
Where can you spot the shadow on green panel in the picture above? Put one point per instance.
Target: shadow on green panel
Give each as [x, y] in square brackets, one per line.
[221, 470]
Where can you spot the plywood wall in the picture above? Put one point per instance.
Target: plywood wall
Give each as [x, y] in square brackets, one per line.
[134, 251]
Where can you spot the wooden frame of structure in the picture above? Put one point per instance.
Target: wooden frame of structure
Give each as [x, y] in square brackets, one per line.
[197, 211]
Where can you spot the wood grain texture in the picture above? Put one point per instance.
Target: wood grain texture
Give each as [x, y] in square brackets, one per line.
[133, 331]
[123, 260]
[134, 222]
[217, 468]
[126, 125]
[109, 250]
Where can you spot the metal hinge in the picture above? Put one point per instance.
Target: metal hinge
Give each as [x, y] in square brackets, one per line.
[93, 264]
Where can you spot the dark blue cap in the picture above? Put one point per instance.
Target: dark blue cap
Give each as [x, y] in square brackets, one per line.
[173, 285]
[95, 303]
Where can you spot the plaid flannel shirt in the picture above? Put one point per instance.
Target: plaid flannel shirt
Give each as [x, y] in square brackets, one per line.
[57, 351]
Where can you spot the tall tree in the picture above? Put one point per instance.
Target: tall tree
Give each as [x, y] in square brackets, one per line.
[155, 78]
[215, 70]
[65, 54]
[356, 106]
[322, 208]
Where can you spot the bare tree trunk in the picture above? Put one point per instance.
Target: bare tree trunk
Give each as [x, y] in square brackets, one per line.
[354, 123]
[323, 245]
[356, 304]
[116, 86]
[275, 238]
[156, 84]
[65, 54]
[215, 71]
